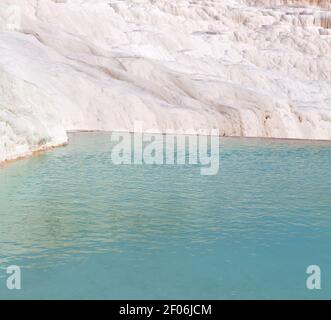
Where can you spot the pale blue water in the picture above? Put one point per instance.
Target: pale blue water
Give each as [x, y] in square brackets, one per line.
[81, 227]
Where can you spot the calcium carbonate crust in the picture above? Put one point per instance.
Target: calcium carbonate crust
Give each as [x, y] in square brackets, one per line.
[247, 68]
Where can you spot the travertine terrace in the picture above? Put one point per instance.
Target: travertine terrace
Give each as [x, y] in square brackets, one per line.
[248, 68]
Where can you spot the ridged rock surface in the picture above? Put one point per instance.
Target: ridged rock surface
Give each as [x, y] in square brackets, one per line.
[248, 68]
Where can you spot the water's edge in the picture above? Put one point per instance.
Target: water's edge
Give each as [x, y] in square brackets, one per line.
[69, 132]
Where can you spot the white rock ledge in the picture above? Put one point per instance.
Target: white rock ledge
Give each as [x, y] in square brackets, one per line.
[248, 68]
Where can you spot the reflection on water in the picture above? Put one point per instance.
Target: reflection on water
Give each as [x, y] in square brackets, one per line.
[67, 205]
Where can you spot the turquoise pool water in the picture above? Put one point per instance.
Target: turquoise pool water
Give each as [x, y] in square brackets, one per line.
[81, 227]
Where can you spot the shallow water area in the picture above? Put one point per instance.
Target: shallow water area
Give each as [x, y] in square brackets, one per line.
[81, 227]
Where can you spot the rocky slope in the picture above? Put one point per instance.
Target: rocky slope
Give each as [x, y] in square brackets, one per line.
[248, 68]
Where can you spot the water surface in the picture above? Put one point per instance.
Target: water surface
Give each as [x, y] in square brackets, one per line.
[82, 227]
